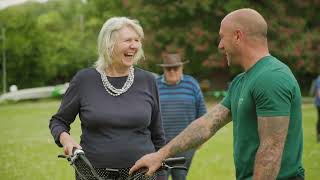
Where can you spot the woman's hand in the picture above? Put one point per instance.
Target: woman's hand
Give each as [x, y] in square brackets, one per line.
[68, 143]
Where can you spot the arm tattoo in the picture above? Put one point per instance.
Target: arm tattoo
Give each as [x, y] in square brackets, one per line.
[217, 118]
[272, 133]
[199, 130]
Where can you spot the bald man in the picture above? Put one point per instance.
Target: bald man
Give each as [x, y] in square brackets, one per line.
[265, 103]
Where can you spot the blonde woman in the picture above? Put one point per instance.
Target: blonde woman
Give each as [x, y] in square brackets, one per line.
[117, 104]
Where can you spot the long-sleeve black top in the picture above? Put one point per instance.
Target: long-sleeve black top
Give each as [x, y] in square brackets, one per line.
[116, 131]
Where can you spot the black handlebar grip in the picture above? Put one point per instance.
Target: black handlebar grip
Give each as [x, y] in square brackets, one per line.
[175, 161]
[62, 156]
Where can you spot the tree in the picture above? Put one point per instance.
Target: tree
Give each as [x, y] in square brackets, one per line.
[48, 43]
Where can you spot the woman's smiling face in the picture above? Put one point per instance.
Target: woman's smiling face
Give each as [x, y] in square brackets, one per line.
[126, 47]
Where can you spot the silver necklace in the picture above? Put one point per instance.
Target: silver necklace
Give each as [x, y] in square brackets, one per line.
[111, 89]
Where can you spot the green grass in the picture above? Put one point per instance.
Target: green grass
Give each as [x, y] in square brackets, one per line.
[27, 150]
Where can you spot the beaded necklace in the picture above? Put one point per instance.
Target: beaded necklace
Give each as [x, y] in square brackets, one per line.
[111, 89]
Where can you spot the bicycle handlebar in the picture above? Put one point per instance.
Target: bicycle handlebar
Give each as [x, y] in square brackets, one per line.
[167, 164]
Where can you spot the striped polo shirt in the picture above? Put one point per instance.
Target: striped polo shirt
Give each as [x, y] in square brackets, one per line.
[180, 104]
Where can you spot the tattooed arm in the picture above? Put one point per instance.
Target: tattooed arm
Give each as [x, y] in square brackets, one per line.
[199, 131]
[194, 135]
[272, 135]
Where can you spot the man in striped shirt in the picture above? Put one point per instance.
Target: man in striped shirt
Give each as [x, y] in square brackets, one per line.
[181, 102]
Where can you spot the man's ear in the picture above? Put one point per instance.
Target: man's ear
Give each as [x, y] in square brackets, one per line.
[238, 35]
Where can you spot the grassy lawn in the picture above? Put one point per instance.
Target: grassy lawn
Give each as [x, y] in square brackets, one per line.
[27, 150]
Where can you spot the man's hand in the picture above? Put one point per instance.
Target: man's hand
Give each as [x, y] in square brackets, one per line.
[199, 131]
[151, 161]
[68, 143]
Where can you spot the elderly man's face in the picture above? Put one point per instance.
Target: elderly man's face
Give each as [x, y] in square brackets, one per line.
[173, 74]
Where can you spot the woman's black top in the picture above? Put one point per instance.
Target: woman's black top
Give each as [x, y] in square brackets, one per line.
[116, 131]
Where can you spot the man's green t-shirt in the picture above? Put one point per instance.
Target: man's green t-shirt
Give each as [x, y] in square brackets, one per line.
[267, 89]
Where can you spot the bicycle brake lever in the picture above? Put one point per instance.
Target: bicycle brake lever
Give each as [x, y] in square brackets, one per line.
[64, 156]
[179, 167]
[167, 167]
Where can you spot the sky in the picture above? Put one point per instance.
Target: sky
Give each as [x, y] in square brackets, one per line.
[7, 3]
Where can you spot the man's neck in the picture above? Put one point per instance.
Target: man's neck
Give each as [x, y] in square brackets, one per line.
[251, 61]
[172, 83]
[252, 55]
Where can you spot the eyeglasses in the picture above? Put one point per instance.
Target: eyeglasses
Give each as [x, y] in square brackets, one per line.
[175, 68]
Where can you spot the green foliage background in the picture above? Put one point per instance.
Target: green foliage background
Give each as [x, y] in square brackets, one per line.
[47, 43]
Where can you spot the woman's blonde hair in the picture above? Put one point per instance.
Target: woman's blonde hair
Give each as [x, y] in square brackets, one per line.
[107, 39]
